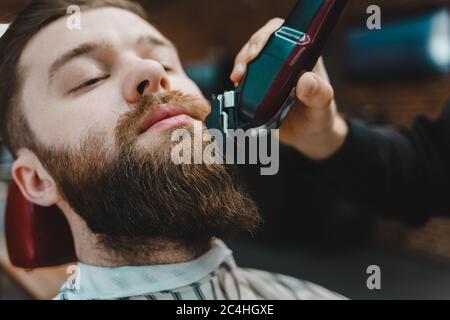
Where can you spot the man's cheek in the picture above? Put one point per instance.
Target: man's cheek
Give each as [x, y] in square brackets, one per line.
[185, 85]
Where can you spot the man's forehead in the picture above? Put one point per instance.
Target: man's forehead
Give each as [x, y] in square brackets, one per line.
[118, 26]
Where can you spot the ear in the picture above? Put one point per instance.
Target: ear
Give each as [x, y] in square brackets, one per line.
[33, 180]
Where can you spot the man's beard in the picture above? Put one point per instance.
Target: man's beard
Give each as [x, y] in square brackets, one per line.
[129, 193]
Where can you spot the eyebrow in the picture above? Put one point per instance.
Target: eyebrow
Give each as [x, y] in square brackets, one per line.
[154, 41]
[89, 47]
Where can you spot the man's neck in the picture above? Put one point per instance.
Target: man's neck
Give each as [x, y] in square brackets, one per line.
[100, 251]
[115, 252]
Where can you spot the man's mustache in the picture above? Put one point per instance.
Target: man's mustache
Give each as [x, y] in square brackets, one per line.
[151, 101]
[129, 122]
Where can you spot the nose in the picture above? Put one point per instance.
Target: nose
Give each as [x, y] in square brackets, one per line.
[146, 76]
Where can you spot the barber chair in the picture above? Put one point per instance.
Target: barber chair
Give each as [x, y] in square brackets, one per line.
[36, 237]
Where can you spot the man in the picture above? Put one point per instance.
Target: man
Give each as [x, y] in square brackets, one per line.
[88, 115]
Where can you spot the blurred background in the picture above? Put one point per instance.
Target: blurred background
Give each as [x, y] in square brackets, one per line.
[385, 76]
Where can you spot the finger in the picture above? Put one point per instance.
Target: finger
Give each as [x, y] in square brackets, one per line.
[314, 92]
[251, 50]
[260, 38]
[240, 66]
[319, 65]
[320, 70]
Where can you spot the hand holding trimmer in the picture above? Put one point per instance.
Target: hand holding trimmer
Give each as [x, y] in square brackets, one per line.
[266, 94]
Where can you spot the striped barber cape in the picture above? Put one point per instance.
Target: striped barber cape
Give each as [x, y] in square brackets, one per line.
[213, 276]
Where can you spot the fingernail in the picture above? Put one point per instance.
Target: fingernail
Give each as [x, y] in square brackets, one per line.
[310, 85]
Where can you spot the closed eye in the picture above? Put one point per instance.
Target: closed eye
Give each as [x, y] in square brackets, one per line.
[168, 68]
[89, 83]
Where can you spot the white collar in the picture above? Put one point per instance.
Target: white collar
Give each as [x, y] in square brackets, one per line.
[108, 283]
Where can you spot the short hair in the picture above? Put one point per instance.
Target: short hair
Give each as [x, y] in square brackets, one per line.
[14, 128]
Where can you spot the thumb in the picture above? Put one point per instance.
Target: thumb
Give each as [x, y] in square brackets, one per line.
[315, 93]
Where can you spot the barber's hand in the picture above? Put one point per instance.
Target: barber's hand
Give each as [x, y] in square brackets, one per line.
[313, 127]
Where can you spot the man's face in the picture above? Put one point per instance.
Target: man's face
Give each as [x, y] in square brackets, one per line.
[93, 98]
[82, 81]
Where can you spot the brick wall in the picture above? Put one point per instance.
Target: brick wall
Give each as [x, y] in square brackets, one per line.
[397, 102]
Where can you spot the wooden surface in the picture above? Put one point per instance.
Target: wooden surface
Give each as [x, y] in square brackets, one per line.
[395, 102]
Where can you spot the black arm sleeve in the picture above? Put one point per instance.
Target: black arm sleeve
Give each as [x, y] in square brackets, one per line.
[401, 174]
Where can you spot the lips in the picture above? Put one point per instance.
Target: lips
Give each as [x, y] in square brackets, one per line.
[172, 111]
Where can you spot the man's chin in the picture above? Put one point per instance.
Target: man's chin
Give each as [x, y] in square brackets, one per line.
[152, 140]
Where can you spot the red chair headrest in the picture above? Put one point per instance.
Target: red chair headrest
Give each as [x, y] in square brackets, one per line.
[36, 236]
